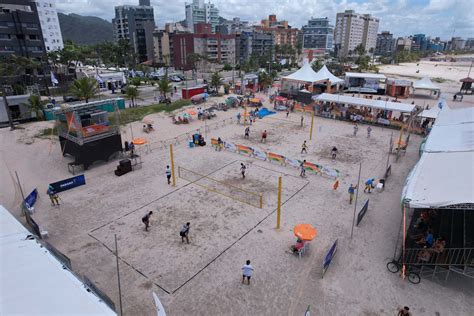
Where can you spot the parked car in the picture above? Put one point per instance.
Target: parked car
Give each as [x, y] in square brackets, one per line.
[174, 78]
[70, 98]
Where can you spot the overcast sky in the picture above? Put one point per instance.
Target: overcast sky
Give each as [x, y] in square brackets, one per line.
[441, 18]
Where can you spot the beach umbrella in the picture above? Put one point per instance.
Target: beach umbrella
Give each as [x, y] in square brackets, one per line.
[191, 112]
[147, 121]
[305, 231]
[139, 141]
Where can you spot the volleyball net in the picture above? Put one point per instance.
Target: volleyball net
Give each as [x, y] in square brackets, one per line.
[220, 187]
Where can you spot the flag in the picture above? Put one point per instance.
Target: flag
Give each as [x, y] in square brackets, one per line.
[54, 81]
[30, 200]
[99, 79]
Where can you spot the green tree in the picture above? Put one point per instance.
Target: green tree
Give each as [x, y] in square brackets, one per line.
[360, 50]
[227, 67]
[132, 93]
[317, 64]
[264, 79]
[164, 86]
[35, 105]
[216, 80]
[84, 88]
[193, 59]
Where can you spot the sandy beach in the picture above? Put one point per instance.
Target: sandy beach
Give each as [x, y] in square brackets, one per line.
[204, 277]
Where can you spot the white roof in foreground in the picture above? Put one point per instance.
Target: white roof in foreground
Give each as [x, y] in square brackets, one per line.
[425, 83]
[430, 113]
[441, 179]
[444, 176]
[365, 75]
[33, 281]
[377, 104]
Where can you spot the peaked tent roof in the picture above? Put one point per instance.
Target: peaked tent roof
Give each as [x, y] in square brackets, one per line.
[325, 74]
[305, 73]
[425, 83]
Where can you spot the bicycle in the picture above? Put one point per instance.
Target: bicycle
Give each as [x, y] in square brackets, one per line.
[394, 267]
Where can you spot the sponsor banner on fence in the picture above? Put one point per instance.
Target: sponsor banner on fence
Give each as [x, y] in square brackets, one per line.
[259, 154]
[69, 183]
[276, 157]
[241, 149]
[362, 212]
[312, 167]
[230, 146]
[331, 172]
[292, 162]
[329, 257]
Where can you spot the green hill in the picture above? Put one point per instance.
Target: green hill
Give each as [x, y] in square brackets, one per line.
[85, 29]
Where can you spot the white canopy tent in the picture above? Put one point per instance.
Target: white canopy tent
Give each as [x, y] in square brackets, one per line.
[426, 84]
[304, 74]
[444, 176]
[34, 282]
[325, 74]
[377, 104]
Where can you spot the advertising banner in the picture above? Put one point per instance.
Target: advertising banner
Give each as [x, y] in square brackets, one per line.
[329, 256]
[30, 200]
[362, 212]
[69, 183]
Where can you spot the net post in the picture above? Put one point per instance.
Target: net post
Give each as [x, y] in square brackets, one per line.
[311, 129]
[261, 200]
[279, 203]
[172, 165]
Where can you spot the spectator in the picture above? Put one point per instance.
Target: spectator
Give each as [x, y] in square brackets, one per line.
[264, 136]
[334, 153]
[168, 174]
[369, 185]
[351, 192]
[439, 245]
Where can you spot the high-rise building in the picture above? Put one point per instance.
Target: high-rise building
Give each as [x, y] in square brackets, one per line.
[201, 12]
[136, 24]
[20, 29]
[234, 26]
[217, 48]
[420, 42]
[318, 36]
[256, 43]
[353, 29]
[283, 34]
[385, 44]
[48, 16]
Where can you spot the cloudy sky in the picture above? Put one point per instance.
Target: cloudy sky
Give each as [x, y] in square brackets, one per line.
[441, 18]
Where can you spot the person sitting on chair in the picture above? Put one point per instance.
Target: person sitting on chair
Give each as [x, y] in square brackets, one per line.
[298, 246]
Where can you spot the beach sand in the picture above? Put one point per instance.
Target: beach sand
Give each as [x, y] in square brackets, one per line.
[204, 277]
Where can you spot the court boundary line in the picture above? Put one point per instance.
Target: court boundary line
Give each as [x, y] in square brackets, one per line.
[218, 255]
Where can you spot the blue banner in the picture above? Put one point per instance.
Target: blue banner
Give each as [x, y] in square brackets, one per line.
[329, 256]
[67, 184]
[30, 200]
[362, 212]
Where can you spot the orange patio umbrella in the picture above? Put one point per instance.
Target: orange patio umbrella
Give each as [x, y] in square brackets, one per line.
[305, 231]
[191, 112]
[139, 141]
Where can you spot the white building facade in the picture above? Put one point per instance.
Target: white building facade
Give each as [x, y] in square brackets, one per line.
[353, 29]
[201, 12]
[48, 16]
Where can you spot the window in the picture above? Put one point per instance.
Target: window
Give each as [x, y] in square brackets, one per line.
[33, 37]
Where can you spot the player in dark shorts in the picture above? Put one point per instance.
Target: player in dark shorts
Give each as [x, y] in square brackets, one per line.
[146, 220]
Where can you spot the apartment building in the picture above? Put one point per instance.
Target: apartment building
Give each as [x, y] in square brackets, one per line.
[48, 16]
[318, 36]
[385, 45]
[199, 11]
[283, 34]
[353, 29]
[136, 24]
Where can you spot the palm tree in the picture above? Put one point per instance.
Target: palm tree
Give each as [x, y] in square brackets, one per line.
[132, 93]
[216, 80]
[84, 88]
[164, 86]
[35, 105]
